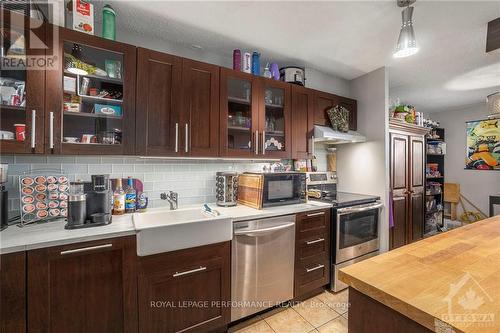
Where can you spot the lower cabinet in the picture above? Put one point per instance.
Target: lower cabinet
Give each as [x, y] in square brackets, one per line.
[84, 287]
[186, 290]
[312, 252]
[13, 292]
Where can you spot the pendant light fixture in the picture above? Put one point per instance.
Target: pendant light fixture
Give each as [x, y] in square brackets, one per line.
[407, 44]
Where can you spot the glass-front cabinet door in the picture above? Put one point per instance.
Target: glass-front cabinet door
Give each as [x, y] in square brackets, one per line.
[21, 84]
[239, 111]
[94, 110]
[275, 119]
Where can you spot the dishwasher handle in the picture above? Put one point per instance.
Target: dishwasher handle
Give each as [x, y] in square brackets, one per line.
[263, 231]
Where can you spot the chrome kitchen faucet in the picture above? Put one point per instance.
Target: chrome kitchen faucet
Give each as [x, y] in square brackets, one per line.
[172, 198]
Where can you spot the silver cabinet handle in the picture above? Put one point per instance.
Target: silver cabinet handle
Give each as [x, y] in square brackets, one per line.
[202, 268]
[309, 270]
[315, 214]
[51, 130]
[33, 128]
[315, 241]
[176, 137]
[186, 149]
[263, 142]
[257, 232]
[257, 142]
[85, 249]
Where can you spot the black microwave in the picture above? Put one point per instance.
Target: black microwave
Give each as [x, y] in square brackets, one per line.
[283, 188]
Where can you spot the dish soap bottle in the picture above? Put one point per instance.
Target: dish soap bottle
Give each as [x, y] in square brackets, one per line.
[267, 73]
[108, 22]
[118, 199]
[130, 196]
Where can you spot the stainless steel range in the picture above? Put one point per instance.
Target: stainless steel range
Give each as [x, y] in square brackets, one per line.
[355, 223]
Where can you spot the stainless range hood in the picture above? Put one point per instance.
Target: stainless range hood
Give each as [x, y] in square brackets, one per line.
[327, 135]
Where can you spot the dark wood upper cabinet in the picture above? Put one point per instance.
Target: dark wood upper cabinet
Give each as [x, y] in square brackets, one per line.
[25, 87]
[198, 275]
[200, 108]
[407, 181]
[324, 101]
[255, 116]
[275, 119]
[302, 122]
[239, 112]
[13, 292]
[84, 287]
[77, 106]
[159, 127]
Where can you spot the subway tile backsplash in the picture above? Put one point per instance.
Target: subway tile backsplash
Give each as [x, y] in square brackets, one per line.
[194, 180]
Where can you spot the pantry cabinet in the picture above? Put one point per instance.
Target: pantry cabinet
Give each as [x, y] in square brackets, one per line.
[407, 181]
[324, 101]
[185, 290]
[13, 292]
[255, 115]
[83, 287]
[90, 96]
[22, 84]
[302, 122]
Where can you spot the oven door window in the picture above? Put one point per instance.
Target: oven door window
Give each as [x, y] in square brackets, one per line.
[358, 228]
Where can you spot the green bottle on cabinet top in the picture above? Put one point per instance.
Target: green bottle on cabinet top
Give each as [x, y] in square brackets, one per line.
[108, 22]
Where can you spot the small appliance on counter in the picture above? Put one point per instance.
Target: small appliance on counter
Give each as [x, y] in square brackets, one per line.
[267, 189]
[89, 203]
[4, 197]
[355, 223]
[226, 188]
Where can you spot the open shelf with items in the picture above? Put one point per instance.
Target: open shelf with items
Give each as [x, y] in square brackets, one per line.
[435, 176]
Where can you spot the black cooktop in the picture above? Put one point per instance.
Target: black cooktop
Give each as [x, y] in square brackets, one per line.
[344, 199]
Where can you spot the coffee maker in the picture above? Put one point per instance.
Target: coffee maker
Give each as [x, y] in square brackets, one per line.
[4, 197]
[90, 203]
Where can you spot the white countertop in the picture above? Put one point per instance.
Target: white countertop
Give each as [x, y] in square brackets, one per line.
[35, 236]
[243, 213]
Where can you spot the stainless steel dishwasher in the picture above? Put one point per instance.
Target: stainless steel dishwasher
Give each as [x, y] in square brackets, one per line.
[262, 264]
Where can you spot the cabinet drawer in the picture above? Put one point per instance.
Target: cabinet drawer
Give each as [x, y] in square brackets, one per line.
[312, 223]
[312, 246]
[311, 274]
[185, 290]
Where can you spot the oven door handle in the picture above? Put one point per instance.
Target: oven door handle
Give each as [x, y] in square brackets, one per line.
[349, 210]
[258, 232]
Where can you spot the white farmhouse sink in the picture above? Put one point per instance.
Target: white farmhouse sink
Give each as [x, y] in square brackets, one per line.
[170, 230]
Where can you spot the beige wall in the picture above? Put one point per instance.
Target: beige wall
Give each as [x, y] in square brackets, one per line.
[476, 185]
[363, 167]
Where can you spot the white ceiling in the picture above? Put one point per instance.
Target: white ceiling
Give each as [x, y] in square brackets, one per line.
[342, 38]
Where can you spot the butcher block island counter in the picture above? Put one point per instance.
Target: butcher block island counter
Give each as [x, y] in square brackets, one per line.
[446, 283]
